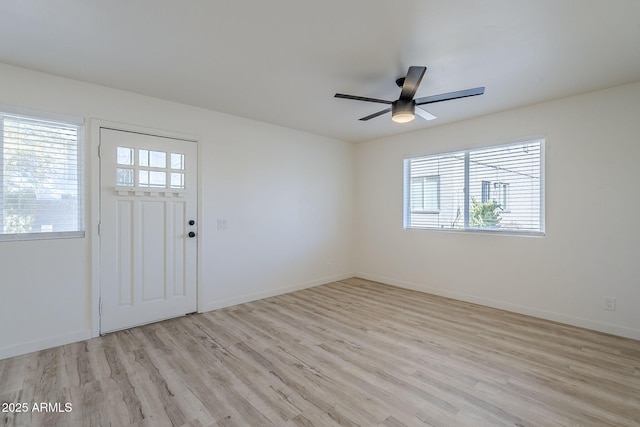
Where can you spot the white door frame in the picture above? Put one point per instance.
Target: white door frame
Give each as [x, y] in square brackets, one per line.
[93, 205]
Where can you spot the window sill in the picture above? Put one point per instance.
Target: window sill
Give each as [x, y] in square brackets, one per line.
[42, 236]
[494, 231]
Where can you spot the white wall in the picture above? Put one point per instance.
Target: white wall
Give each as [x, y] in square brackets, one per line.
[286, 196]
[592, 243]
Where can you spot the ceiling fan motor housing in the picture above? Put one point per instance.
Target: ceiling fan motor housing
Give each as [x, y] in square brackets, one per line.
[403, 110]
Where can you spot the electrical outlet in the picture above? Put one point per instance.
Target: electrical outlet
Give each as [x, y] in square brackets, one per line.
[609, 303]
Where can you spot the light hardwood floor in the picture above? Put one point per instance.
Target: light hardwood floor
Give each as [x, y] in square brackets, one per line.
[348, 353]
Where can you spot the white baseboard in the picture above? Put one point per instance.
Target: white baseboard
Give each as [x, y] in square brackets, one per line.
[214, 305]
[43, 344]
[608, 328]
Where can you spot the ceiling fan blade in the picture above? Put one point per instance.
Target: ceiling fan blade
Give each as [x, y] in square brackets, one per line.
[411, 82]
[374, 115]
[424, 114]
[362, 98]
[451, 95]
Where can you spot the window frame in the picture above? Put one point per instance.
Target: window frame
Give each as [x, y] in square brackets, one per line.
[62, 119]
[466, 228]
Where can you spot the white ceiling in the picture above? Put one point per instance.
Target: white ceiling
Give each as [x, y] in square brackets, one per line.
[281, 61]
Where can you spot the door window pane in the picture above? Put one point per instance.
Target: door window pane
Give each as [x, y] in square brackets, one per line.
[143, 157]
[177, 180]
[124, 177]
[177, 161]
[152, 179]
[154, 159]
[157, 159]
[124, 156]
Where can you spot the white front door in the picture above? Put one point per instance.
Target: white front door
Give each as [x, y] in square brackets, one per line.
[148, 250]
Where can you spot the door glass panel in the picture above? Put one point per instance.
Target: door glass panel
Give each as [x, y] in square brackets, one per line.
[157, 159]
[143, 157]
[124, 177]
[177, 161]
[124, 156]
[152, 179]
[154, 159]
[157, 179]
[177, 180]
[143, 178]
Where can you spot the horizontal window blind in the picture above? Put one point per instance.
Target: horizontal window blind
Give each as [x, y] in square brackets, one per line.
[41, 178]
[496, 188]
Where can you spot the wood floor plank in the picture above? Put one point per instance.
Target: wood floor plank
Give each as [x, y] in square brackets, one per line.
[321, 364]
[349, 353]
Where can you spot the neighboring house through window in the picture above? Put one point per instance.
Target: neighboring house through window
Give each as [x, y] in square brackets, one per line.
[502, 193]
[425, 194]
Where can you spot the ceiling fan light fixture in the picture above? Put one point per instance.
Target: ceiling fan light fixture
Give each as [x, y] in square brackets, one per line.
[403, 111]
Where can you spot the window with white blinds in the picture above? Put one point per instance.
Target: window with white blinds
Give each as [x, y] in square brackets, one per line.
[41, 178]
[496, 188]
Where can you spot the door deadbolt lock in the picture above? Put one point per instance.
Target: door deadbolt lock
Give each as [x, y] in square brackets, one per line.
[192, 234]
[192, 222]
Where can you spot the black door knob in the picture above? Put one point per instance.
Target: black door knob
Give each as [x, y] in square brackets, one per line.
[192, 234]
[191, 222]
